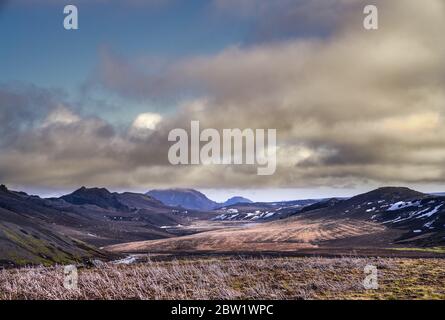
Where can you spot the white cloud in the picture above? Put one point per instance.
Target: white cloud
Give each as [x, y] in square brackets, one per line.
[61, 116]
[144, 125]
[147, 121]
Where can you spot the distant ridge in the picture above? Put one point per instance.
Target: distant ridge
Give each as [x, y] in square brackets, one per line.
[100, 197]
[181, 197]
[235, 200]
[191, 199]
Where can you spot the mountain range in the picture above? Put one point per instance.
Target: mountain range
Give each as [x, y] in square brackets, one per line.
[76, 226]
[191, 199]
[73, 227]
[379, 222]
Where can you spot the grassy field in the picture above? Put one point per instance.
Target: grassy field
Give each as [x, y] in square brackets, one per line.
[235, 278]
[432, 249]
[283, 235]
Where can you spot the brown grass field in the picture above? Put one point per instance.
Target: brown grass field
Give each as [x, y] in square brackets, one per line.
[235, 278]
[279, 236]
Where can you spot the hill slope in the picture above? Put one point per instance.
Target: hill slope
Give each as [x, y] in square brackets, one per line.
[27, 237]
[381, 218]
[70, 228]
[117, 217]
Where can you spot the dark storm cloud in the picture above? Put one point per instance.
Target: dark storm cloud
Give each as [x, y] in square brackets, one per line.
[44, 141]
[22, 107]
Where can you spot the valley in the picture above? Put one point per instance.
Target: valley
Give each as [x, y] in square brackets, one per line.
[94, 223]
[381, 222]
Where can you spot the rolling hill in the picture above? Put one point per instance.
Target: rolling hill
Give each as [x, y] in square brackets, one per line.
[71, 228]
[236, 200]
[386, 217]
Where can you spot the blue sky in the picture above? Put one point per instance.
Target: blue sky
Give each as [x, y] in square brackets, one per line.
[37, 49]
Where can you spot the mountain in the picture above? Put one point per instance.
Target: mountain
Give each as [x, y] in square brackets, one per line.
[264, 211]
[418, 218]
[185, 198]
[139, 201]
[100, 197]
[234, 209]
[71, 228]
[235, 200]
[119, 216]
[127, 201]
[320, 205]
[27, 235]
[192, 199]
[367, 204]
[440, 194]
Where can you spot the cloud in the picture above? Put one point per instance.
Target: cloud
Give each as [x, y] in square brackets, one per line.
[144, 125]
[61, 115]
[278, 20]
[22, 107]
[147, 121]
[350, 107]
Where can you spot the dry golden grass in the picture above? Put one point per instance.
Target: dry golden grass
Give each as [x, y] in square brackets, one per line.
[235, 278]
[289, 235]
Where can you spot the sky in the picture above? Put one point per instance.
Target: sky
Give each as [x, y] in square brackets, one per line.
[353, 109]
